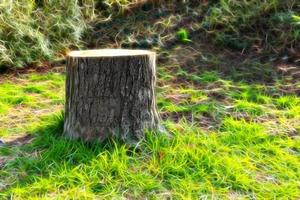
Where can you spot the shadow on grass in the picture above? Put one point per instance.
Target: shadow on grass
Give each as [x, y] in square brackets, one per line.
[46, 151]
[200, 55]
[55, 166]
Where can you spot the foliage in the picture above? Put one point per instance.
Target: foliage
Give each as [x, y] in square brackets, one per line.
[268, 25]
[33, 31]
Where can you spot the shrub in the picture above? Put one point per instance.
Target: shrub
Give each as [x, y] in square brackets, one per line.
[33, 31]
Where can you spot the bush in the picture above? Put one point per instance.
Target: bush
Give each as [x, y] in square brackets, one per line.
[33, 31]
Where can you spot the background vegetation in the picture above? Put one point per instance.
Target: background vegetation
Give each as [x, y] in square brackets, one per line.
[34, 31]
[265, 25]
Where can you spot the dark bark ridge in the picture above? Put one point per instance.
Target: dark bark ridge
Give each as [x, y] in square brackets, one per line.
[110, 96]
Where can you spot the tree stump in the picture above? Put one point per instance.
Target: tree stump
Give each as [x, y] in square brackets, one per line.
[110, 92]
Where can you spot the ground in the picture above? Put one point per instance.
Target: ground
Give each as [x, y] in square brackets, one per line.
[235, 136]
[234, 119]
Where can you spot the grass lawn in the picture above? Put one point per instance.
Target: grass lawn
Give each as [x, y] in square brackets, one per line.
[235, 136]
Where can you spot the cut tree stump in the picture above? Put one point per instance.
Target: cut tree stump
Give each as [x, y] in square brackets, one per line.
[110, 93]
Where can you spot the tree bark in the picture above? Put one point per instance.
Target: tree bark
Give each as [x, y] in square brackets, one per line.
[110, 93]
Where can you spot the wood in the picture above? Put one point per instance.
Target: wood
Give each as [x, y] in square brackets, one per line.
[110, 93]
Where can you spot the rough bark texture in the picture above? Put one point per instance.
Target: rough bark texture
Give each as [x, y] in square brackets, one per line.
[110, 96]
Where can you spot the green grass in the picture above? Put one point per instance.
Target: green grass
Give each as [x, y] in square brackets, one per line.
[240, 141]
[241, 159]
[27, 97]
[183, 35]
[250, 108]
[287, 102]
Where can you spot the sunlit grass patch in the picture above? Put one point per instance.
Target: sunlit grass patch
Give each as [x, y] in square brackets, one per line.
[286, 102]
[253, 109]
[293, 112]
[27, 97]
[240, 132]
[12, 94]
[3, 108]
[54, 77]
[252, 93]
[4, 131]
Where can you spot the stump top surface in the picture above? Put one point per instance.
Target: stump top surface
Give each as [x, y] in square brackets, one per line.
[109, 53]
